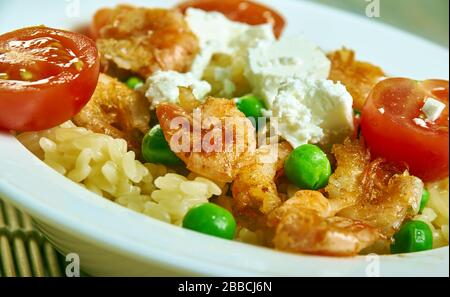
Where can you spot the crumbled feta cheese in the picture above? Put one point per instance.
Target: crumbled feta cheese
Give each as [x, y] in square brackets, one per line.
[381, 110]
[217, 34]
[163, 86]
[420, 122]
[313, 111]
[271, 62]
[433, 109]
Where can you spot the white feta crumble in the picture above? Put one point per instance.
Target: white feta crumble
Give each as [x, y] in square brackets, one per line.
[163, 86]
[313, 111]
[217, 34]
[432, 109]
[271, 62]
[420, 122]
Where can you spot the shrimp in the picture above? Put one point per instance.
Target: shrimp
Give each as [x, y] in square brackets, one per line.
[218, 145]
[303, 199]
[306, 231]
[390, 197]
[254, 189]
[116, 110]
[358, 77]
[378, 193]
[307, 223]
[142, 40]
[367, 201]
[344, 185]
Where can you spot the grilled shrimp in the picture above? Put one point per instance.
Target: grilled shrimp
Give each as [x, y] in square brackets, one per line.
[378, 193]
[254, 189]
[116, 110]
[390, 196]
[367, 202]
[306, 223]
[344, 185]
[358, 77]
[305, 231]
[223, 142]
[144, 40]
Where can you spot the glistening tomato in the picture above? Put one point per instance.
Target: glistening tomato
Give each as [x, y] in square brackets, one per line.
[395, 127]
[243, 11]
[46, 76]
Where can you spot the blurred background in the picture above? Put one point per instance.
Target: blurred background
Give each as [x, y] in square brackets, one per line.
[427, 18]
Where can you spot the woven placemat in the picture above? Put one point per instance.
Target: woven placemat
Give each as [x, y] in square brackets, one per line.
[23, 250]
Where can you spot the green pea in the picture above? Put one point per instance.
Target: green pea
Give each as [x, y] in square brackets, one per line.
[211, 219]
[251, 106]
[308, 167]
[134, 82]
[414, 236]
[424, 200]
[155, 149]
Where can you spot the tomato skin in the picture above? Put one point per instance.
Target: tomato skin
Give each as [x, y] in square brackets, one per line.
[244, 11]
[51, 99]
[392, 134]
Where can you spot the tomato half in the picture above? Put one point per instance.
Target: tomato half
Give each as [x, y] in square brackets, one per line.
[395, 128]
[243, 11]
[46, 76]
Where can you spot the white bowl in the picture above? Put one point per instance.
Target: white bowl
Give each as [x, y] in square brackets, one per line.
[114, 241]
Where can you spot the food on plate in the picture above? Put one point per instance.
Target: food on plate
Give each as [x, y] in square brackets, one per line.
[209, 218]
[144, 40]
[416, 113]
[358, 77]
[254, 188]
[243, 11]
[308, 167]
[164, 86]
[134, 82]
[116, 110]
[414, 236]
[46, 76]
[382, 194]
[209, 151]
[205, 117]
[307, 222]
[313, 111]
[155, 149]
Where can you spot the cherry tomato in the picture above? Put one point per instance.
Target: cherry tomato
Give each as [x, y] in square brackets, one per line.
[243, 11]
[394, 126]
[46, 77]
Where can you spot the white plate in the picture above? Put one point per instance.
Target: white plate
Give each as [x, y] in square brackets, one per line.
[112, 240]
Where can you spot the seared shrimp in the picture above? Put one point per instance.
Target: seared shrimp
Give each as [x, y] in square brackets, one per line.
[358, 77]
[376, 192]
[306, 223]
[116, 110]
[390, 196]
[305, 231]
[367, 202]
[344, 185]
[220, 146]
[254, 189]
[144, 40]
